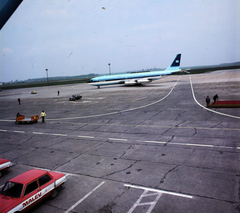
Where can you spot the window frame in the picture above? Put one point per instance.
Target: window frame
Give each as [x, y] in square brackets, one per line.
[32, 190]
[50, 178]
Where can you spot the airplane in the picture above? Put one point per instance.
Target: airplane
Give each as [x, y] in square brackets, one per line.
[136, 78]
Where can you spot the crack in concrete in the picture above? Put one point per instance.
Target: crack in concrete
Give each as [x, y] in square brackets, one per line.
[217, 124]
[109, 121]
[177, 125]
[148, 118]
[171, 139]
[125, 151]
[195, 129]
[179, 115]
[121, 170]
[166, 131]
[165, 175]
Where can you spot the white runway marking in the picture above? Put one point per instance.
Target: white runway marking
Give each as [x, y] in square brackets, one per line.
[59, 134]
[117, 139]
[220, 113]
[153, 192]
[192, 144]
[150, 204]
[122, 139]
[83, 136]
[159, 190]
[19, 131]
[38, 133]
[139, 99]
[81, 200]
[155, 142]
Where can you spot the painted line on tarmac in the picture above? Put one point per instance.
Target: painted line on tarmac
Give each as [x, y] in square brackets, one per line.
[124, 139]
[150, 204]
[220, 113]
[139, 99]
[193, 144]
[83, 136]
[59, 134]
[82, 199]
[156, 126]
[118, 139]
[153, 192]
[19, 131]
[155, 142]
[160, 191]
[39, 133]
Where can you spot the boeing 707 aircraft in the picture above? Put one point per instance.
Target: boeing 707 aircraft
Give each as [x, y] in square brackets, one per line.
[136, 78]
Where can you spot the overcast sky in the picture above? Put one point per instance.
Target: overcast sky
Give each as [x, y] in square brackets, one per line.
[75, 37]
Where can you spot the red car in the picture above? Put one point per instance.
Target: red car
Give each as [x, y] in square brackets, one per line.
[24, 191]
[4, 164]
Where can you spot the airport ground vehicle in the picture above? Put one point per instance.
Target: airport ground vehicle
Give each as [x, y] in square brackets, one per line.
[21, 119]
[226, 104]
[22, 192]
[4, 164]
[75, 97]
[34, 92]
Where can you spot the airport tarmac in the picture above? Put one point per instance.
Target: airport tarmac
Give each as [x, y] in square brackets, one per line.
[150, 148]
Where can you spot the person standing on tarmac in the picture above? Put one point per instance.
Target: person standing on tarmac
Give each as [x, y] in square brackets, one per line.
[215, 98]
[208, 101]
[43, 114]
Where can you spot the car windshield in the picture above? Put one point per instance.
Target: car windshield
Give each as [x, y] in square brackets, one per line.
[12, 189]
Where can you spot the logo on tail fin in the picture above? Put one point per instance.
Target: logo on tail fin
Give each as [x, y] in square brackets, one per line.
[176, 62]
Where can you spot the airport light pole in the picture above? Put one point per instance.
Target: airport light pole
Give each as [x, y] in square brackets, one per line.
[47, 76]
[109, 68]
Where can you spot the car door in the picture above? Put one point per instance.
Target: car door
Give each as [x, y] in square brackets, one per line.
[32, 194]
[45, 184]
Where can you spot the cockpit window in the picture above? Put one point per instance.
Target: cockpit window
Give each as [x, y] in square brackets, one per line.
[12, 189]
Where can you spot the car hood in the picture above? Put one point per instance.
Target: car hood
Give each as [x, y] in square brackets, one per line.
[7, 203]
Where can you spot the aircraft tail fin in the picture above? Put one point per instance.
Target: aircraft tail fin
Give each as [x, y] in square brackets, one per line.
[175, 64]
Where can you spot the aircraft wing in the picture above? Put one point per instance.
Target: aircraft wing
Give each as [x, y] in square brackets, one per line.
[7, 8]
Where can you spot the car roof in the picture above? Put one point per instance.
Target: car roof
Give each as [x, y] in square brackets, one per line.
[28, 176]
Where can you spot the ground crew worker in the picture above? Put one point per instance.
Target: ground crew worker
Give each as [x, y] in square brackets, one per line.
[43, 114]
[208, 101]
[19, 101]
[215, 98]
